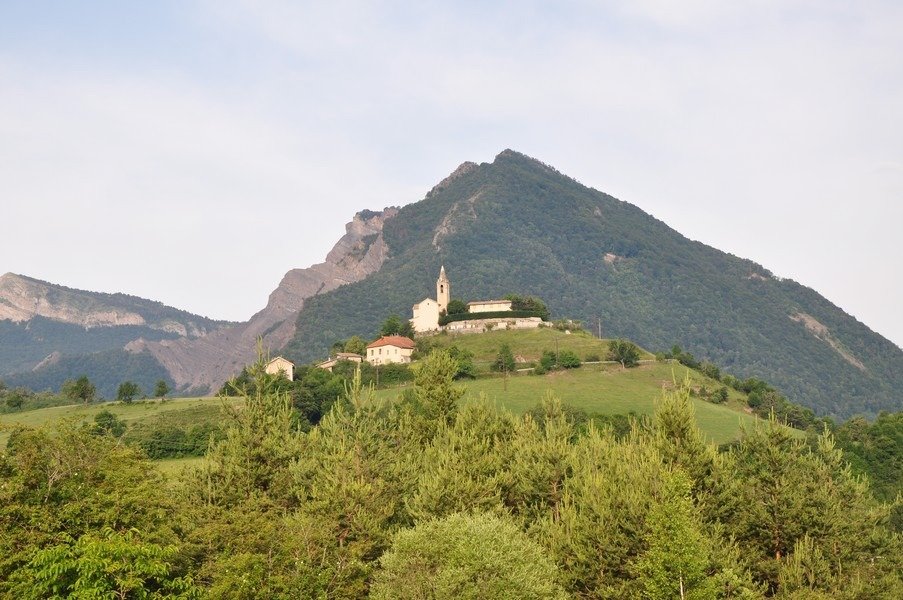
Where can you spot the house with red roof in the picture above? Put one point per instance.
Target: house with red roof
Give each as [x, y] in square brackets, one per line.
[390, 349]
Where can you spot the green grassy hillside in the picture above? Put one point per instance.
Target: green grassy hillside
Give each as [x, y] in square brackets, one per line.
[527, 345]
[609, 390]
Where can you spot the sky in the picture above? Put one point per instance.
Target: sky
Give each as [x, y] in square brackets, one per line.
[194, 151]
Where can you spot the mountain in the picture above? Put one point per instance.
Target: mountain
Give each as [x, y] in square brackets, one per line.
[50, 332]
[517, 225]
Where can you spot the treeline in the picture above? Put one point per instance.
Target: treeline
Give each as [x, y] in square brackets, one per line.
[425, 497]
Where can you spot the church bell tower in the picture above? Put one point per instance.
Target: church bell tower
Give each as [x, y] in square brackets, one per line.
[443, 290]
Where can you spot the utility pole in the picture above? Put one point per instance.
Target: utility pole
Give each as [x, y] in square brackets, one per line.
[600, 326]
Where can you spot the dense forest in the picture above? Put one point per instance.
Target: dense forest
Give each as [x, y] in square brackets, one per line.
[426, 497]
[518, 226]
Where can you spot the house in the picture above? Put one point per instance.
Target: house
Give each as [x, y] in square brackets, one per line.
[426, 312]
[281, 366]
[349, 356]
[390, 349]
[481, 306]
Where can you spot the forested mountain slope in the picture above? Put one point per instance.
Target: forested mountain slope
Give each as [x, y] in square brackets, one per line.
[519, 226]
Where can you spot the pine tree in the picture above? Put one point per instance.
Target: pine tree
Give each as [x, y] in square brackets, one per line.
[676, 560]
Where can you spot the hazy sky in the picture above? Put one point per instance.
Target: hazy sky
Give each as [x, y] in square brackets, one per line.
[193, 152]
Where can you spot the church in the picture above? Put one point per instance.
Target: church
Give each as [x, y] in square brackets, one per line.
[427, 311]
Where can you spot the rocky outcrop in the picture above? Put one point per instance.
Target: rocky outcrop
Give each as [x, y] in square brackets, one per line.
[207, 362]
[24, 298]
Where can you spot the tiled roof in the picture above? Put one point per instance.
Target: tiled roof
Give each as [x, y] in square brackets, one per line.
[398, 341]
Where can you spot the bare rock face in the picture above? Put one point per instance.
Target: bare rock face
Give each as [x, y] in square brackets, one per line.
[209, 361]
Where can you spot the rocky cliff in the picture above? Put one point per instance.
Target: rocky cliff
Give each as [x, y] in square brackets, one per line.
[207, 362]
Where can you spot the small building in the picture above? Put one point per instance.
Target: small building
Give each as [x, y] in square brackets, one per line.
[281, 366]
[349, 356]
[390, 349]
[489, 306]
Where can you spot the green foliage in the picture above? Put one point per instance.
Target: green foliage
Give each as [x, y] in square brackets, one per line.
[784, 492]
[466, 368]
[676, 560]
[70, 482]
[356, 345]
[161, 388]
[395, 325]
[504, 360]
[106, 423]
[434, 391]
[529, 304]
[625, 352]
[875, 450]
[127, 391]
[568, 359]
[562, 359]
[465, 556]
[20, 399]
[111, 565]
[162, 439]
[260, 442]
[79, 390]
[456, 307]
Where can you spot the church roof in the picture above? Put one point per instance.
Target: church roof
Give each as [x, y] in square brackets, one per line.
[399, 341]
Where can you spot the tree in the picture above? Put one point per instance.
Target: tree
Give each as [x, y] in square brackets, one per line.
[675, 562]
[466, 368]
[434, 388]
[80, 389]
[127, 391]
[529, 303]
[456, 307]
[504, 360]
[110, 565]
[106, 423]
[466, 556]
[356, 345]
[161, 389]
[395, 325]
[625, 352]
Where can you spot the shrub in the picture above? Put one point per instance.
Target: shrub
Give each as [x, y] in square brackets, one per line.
[465, 556]
[568, 359]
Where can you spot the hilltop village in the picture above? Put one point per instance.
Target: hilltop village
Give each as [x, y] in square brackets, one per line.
[435, 315]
